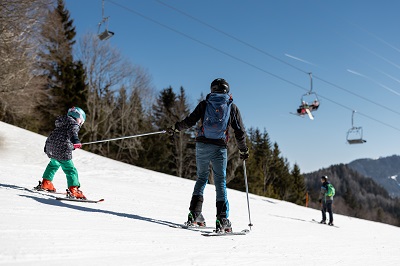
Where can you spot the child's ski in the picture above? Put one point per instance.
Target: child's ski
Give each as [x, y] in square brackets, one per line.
[44, 192]
[80, 200]
[241, 233]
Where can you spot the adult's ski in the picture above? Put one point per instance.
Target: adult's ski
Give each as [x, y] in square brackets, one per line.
[241, 233]
[203, 229]
[309, 114]
[315, 221]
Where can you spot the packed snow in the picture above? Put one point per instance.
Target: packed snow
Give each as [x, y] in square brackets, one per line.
[133, 225]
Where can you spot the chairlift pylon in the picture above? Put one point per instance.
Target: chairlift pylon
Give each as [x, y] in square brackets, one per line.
[106, 34]
[355, 134]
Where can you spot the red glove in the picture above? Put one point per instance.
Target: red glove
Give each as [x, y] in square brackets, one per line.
[77, 145]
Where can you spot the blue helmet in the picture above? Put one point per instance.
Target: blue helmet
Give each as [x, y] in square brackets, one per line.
[77, 112]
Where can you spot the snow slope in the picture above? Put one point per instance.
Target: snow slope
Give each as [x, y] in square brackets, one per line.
[131, 227]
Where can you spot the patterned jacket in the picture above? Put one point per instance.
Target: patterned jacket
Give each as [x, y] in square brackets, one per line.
[59, 144]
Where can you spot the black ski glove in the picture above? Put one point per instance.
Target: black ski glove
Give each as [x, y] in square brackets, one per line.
[172, 130]
[244, 154]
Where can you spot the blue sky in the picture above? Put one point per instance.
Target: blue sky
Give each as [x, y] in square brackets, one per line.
[265, 50]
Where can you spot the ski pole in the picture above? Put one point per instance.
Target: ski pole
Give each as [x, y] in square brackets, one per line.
[128, 137]
[247, 192]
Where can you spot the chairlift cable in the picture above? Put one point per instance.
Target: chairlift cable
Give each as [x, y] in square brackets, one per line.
[272, 56]
[261, 69]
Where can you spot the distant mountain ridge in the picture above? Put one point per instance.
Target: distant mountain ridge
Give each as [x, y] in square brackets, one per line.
[385, 171]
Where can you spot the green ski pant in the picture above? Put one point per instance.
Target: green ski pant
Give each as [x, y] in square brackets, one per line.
[68, 168]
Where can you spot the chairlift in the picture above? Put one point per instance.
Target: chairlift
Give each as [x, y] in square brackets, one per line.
[106, 34]
[355, 134]
[310, 96]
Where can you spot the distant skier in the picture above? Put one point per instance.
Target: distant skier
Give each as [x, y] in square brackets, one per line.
[217, 113]
[59, 146]
[326, 199]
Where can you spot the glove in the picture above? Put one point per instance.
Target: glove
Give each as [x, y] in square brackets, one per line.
[244, 154]
[77, 145]
[172, 130]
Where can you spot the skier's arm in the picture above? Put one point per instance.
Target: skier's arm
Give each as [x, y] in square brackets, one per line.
[322, 193]
[192, 118]
[74, 138]
[238, 128]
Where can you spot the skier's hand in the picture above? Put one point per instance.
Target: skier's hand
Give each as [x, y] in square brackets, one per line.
[172, 130]
[244, 154]
[77, 145]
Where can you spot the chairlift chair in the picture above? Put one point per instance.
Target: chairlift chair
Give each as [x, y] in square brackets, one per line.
[106, 34]
[355, 134]
[309, 102]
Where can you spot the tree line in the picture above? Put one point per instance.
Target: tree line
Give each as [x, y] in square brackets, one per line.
[45, 71]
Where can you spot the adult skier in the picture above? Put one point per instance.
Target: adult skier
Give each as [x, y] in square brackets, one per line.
[216, 114]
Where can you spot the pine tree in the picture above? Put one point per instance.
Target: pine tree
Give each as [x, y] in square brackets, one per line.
[183, 148]
[299, 186]
[175, 156]
[66, 78]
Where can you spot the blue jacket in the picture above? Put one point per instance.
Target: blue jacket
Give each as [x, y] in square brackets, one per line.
[235, 122]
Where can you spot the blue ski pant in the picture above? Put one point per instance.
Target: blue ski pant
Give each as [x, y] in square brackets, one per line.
[218, 157]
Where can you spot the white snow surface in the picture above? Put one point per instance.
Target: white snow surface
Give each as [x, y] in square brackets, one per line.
[131, 227]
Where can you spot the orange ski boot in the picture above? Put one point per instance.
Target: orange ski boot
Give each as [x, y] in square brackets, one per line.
[74, 192]
[47, 185]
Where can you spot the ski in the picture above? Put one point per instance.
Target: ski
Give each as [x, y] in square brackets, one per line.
[79, 200]
[45, 192]
[203, 229]
[315, 221]
[39, 189]
[309, 114]
[241, 233]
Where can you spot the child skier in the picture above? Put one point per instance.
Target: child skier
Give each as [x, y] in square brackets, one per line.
[59, 146]
[217, 113]
[326, 199]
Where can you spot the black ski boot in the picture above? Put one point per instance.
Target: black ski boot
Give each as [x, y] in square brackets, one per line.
[222, 224]
[195, 217]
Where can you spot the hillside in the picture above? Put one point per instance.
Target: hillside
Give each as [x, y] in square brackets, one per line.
[131, 227]
[385, 171]
[356, 195]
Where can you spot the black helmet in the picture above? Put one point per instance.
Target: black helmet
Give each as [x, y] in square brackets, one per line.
[324, 177]
[219, 86]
